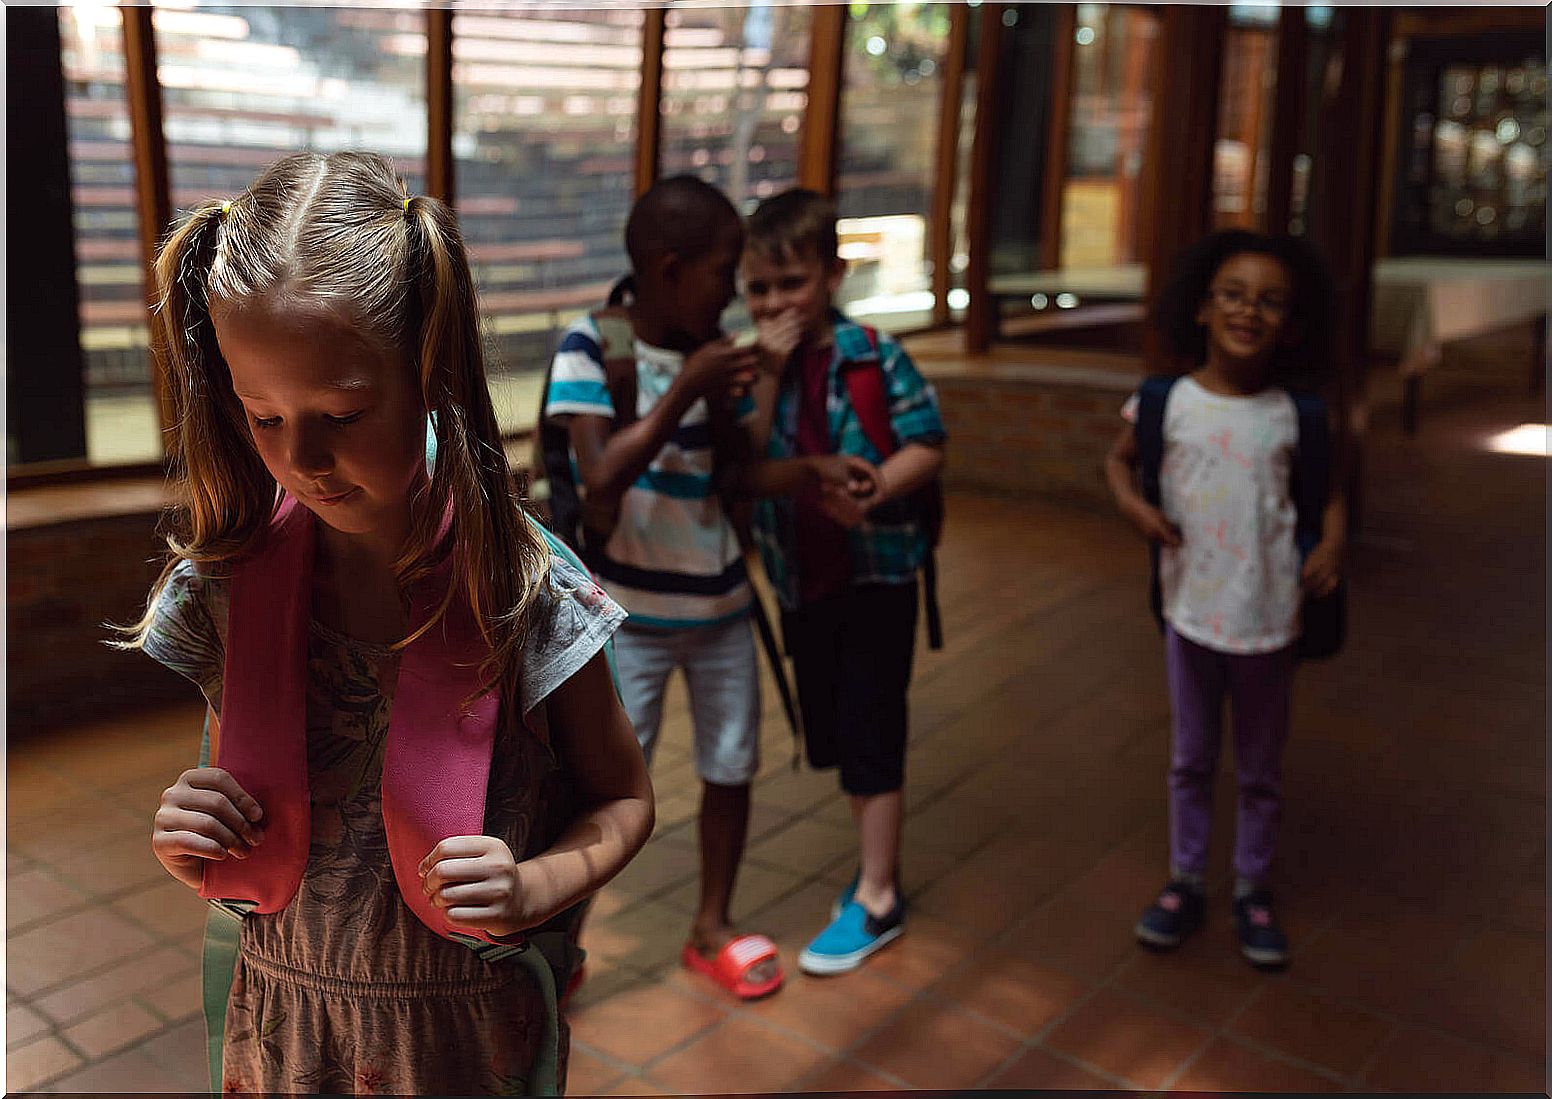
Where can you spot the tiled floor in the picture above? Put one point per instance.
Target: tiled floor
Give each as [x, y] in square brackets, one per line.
[1412, 869]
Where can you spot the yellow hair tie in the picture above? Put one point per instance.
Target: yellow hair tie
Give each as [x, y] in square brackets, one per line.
[406, 204]
[226, 207]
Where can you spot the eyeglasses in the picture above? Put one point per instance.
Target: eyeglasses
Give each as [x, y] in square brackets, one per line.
[1231, 299]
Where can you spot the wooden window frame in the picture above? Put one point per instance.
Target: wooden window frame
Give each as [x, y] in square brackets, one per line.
[817, 160]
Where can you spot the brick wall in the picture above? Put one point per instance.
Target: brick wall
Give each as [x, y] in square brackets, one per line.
[63, 581]
[1042, 430]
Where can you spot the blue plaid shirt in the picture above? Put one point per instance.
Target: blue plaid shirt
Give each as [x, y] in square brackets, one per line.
[890, 545]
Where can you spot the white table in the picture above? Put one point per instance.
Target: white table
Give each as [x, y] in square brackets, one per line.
[1422, 303]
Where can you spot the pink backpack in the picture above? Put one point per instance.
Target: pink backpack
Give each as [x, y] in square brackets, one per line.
[437, 762]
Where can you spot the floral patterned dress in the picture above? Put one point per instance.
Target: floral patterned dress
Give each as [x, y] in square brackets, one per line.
[344, 991]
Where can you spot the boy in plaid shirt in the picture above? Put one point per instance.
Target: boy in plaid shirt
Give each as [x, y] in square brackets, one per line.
[842, 537]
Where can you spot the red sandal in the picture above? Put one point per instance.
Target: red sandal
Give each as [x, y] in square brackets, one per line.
[732, 964]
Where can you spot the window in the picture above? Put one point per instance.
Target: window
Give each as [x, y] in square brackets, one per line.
[1246, 88]
[888, 158]
[1111, 108]
[735, 86]
[122, 424]
[544, 130]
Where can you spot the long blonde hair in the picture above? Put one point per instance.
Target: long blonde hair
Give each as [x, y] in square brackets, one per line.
[340, 230]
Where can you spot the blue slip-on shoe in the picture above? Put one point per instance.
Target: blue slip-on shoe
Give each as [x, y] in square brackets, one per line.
[1166, 922]
[846, 896]
[851, 938]
[1261, 941]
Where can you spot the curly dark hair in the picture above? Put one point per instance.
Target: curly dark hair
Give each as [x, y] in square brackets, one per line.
[1304, 360]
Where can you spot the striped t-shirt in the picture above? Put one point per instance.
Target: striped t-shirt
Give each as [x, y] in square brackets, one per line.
[673, 561]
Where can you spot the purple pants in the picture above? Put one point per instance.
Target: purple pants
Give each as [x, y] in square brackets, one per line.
[1258, 688]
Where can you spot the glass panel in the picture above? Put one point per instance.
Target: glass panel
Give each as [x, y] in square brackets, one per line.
[888, 158]
[735, 86]
[242, 86]
[1111, 109]
[1241, 154]
[121, 416]
[544, 130]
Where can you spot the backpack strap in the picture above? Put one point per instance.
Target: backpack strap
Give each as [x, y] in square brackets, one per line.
[1152, 396]
[1311, 486]
[865, 387]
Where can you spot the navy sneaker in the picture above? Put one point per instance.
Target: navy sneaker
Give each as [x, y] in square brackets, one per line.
[1167, 921]
[852, 937]
[1261, 941]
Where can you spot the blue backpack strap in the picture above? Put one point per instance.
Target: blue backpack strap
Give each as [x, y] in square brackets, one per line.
[1152, 396]
[1311, 486]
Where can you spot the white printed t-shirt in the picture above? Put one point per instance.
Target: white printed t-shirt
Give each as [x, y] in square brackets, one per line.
[1233, 583]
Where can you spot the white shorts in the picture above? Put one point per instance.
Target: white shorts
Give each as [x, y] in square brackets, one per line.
[723, 677]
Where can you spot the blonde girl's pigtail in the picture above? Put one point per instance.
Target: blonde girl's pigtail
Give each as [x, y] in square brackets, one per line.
[207, 488]
[501, 559]
[214, 463]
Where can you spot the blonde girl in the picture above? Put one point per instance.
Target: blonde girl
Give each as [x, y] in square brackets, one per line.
[363, 620]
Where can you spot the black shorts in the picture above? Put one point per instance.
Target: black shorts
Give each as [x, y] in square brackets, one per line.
[852, 657]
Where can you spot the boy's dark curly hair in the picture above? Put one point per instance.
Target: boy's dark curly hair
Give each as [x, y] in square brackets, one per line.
[1304, 360]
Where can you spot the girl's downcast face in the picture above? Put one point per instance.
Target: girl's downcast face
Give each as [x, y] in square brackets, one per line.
[337, 420]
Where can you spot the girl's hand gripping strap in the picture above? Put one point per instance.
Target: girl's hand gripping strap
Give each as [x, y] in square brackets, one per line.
[263, 713]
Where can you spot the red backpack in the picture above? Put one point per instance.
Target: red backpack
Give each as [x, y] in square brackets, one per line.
[870, 400]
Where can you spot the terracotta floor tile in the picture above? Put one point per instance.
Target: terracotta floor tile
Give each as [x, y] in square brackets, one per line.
[1012, 990]
[111, 1030]
[804, 847]
[1205, 979]
[1039, 1070]
[64, 835]
[35, 895]
[589, 1075]
[169, 1063]
[638, 1085]
[643, 1023]
[30, 791]
[1227, 1065]
[176, 1000]
[168, 908]
[936, 1046]
[22, 1024]
[38, 1061]
[1069, 936]
[1123, 882]
[1483, 1011]
[741, 1055]
[928, 949]
[1415, 1059]
[602, 980]
[1512, 961]
[663, 862]
[757, 886]
[115, 866]
[980, 899]
[70, 947]
[1312, 1027]
[1120, 1036]
[846, 1077]
[137, 973]
[644, 936]
[833, 1012]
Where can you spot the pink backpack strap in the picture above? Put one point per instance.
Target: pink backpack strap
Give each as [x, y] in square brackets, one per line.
[263, 740]
[436, 765]
[441, 733]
